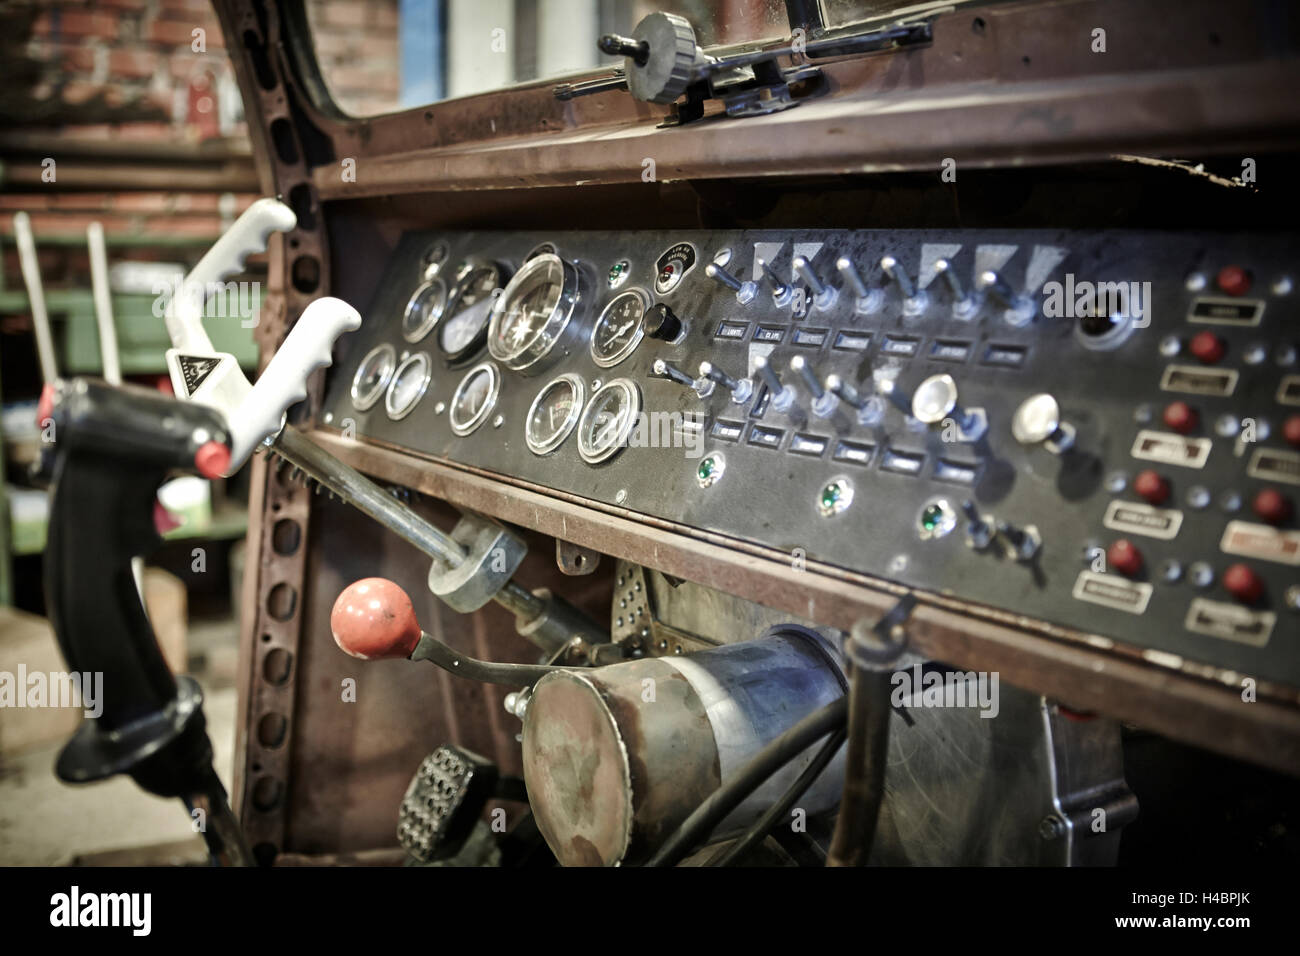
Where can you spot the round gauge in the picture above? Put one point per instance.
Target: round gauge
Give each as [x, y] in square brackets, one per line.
[608, 420]
[475, 397]
[618, 331]
[372, 376]
[408, 385]
[424, 309]
[463, 329]
[533, 312]
[553, 414]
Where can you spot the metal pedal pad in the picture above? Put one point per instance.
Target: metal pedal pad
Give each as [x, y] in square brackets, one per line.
[443, 802]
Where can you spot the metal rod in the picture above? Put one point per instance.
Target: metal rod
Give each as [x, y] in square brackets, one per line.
[436, 652]
[31, 270]
[103, 304]
[366, 496]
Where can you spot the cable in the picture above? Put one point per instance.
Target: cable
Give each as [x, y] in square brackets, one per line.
[775, 755]
[761, 827]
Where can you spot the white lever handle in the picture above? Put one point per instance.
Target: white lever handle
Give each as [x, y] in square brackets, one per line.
[226, 258]
[307, 347]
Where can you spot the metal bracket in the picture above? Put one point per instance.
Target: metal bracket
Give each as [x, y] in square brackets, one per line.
[575, 560]
[492, 555]
[878, 646]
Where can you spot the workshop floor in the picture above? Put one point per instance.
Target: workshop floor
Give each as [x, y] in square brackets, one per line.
[46, 822]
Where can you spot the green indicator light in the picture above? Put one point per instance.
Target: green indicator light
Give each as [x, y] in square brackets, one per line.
[932, 517]
[830, 495]
[706, 468]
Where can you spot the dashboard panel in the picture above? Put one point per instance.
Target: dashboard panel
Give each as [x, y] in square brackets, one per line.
[1096, 429]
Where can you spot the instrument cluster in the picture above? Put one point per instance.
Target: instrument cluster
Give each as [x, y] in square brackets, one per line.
[1098, 430]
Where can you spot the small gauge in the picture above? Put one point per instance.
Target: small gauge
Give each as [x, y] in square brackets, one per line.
[463, 329]
[408, 386]
[619, 329]
[608, 420]
[475, 397]
[373, 376]
[553, 414]
[534, 311]
[424, 309]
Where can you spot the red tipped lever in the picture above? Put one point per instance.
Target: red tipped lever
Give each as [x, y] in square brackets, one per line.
[373, 619]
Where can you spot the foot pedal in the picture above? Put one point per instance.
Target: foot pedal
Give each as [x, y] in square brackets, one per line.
[444, 800]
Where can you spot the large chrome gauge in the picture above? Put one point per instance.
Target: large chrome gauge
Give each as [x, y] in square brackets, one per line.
[534, 311]
[408, 386]
[553, 414]
[424, 309]
[608, 420]
[475, 397]
[372, 376]
[463, 330]
[619, 330]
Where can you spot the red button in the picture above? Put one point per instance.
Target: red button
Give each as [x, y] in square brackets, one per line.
[1291, 430]
[1181, 417]
[1272, 506]
[212, 459]
[1124, 557]
[1207, 347]
[1234, 280]
[1151, 486]
[1243, 583]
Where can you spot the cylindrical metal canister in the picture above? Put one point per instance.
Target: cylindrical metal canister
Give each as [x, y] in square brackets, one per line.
[615, 758]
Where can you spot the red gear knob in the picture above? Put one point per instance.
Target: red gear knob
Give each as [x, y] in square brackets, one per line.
[373, 619]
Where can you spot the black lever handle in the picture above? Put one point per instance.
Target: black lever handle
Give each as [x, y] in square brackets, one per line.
[114, 447]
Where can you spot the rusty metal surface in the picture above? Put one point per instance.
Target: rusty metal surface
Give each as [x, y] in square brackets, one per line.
[1177, 77]
[1181, 699]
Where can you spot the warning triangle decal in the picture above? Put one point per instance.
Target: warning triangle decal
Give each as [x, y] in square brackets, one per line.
[195, 369]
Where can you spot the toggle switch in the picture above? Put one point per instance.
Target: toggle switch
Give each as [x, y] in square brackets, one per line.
[871, 408]
[1037, 421]
[824, 402]
[964, 305]
[782, 395]
[702, 386]
[935, 400]
[1020, 310]
[745, 291]
[781, 293]
[867, 300]
[979, 531]
[742, 389]
[914, 302]
[823, 295]
[1022, 544]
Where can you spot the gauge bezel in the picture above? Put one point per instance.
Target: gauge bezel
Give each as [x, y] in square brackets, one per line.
[364, 404]
[632, 395]
[561, 319]
[579, 387]
[626, 351]
[458, 287]
[428, 325]
[494, 392]
[414, 358]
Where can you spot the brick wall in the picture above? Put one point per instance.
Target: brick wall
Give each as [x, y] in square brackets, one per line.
[131, 98]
